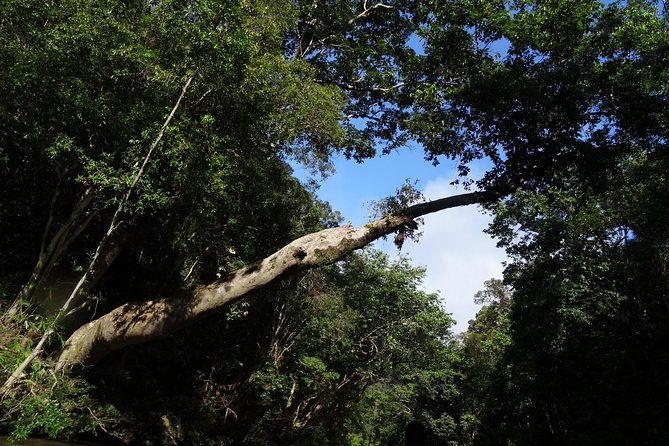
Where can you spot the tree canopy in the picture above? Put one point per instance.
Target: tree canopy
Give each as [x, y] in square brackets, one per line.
[146, 188]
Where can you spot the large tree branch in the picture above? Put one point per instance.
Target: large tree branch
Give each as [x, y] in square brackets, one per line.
[135, 323]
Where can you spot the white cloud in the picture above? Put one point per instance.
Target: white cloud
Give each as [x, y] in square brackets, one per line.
[458, 256]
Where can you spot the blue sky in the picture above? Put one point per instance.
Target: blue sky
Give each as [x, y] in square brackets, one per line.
[458, 256]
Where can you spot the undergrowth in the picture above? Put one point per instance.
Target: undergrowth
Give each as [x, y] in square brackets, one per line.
[45, 403]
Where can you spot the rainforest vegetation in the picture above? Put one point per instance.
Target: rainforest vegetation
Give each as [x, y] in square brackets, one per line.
[165, 278]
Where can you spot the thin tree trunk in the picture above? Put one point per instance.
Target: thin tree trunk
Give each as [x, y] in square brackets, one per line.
[135, 323]
[50, 253]
[105, 253]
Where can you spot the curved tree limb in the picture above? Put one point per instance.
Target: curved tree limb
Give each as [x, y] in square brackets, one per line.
[135, 323]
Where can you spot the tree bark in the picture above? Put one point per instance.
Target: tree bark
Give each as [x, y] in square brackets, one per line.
[135, 323]
[109, 249]
[52, 252]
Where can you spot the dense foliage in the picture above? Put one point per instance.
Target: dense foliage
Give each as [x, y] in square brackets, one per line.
[589, 321]
[145, 150]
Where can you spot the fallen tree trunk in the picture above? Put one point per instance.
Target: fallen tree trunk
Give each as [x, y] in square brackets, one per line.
[135, 323]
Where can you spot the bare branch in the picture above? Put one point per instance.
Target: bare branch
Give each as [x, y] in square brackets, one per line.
[50, 253]
[353, 87]
[368, 10]
[18, 372]
[303, 50]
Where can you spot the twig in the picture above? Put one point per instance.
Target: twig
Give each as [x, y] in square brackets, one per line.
[190, 271]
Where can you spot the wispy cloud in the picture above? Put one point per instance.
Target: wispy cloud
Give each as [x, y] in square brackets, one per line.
[458, 256]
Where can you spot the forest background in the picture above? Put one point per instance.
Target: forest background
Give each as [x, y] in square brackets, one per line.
[165, 278]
